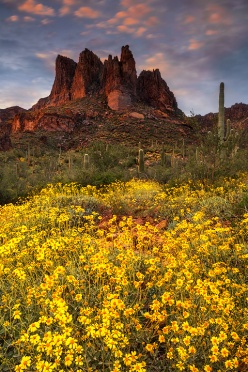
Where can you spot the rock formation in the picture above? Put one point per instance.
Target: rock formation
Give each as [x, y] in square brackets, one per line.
[88, 75]
[50, 122]
[120, 80]
[154, 91]
[115, 79]
[6, 116]
[237, 113]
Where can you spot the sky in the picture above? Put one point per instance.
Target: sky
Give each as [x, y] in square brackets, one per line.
[196, 44]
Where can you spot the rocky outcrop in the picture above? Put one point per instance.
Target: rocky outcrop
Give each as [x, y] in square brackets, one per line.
[237, 113]
[88, 75]
[8, 113]
[50, 122]
[116, 79]
[65, 72]
[61, 91]
[6, 116]
[120, 80]
[154, 91]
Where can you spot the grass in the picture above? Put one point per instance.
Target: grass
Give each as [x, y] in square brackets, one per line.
[134, 276]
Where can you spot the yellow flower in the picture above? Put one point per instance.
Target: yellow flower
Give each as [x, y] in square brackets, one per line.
[78, 297]
[224, 352]
[207, 368]
[68, 359]
[25, 362]
[150, 347]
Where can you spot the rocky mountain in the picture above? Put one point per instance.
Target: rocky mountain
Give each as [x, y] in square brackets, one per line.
[237, 113]
[113, 82]
[115, 79]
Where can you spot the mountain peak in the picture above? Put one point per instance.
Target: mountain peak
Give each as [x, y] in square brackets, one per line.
[115, 78]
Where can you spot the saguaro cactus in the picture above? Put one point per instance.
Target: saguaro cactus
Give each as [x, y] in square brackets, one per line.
[141, 161]
[86, 161]
[221, 123]
[163, 155]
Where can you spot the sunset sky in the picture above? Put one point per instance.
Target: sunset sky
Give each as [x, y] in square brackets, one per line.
[196, 44]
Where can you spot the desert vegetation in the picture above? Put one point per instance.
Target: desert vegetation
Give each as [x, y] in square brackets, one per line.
[135, 276]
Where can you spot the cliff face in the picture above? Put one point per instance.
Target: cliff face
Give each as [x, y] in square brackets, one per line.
[6, 116]
[116, 79]
[88, 74]
[153, 90]
[120, 80]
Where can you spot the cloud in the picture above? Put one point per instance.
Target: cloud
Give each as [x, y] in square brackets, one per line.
[49, 57]
[133, 19]
[30, 6]
[67, 7]
[28, 19]
[45, 21]
[189, 19]
[13, 18]
[87, 12]
[218, 15]
[211, 32]
[194, 44]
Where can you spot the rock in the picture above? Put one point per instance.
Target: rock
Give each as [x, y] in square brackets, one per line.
[154, 91]
[237, 113]
[8, 113]
[51, 122]
[88, 75]
[6, 117]
[116, 80]
[43, 102]
[65, 71]
[120, 80]
[5, 141]
[118, 100]
[136, 115]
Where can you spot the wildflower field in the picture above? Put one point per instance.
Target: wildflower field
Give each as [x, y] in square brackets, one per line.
[135, 276]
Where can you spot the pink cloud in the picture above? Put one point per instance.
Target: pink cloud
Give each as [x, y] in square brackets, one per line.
[121, 14]
[211, 32]
[69, 2]
[189, 19]
[130, 21]
[29, 19]
[64, 10]
[123, 28]
[30, 6]
[126, 3]
[140, 31]
[67, 7]
[46, 21]
[218, 15]
[87, 12]
[215, 18]
[139, 10]
[13, 18]
[152, 21]
[194, 45]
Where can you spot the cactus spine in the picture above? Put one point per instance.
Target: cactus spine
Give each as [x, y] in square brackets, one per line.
[141, 161]
[221, 123]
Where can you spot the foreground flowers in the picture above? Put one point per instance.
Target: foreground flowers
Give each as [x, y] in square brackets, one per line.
[80, 291]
